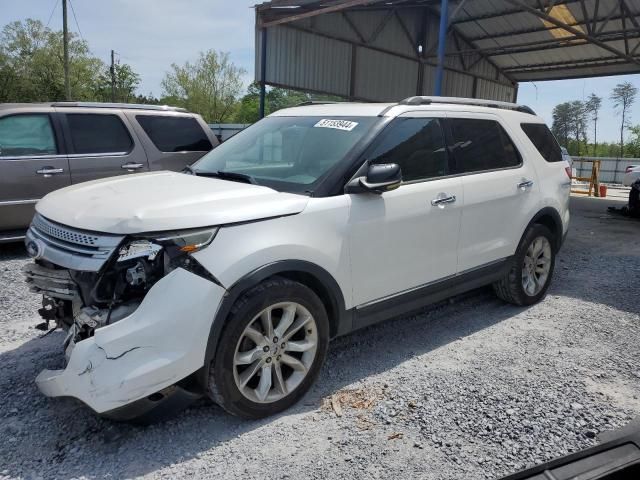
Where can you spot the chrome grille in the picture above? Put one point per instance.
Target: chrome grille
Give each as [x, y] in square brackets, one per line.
[62, 233]
[71, 247]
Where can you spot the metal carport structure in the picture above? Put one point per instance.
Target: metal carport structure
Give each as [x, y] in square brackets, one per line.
[381, 50]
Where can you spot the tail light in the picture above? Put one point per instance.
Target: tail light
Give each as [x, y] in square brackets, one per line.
[628, 170]
[568, 171]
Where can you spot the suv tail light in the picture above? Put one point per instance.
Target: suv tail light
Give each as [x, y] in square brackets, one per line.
[568, 171]
[628, 170]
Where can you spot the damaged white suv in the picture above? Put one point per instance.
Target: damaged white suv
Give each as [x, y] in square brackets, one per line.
[230, 279]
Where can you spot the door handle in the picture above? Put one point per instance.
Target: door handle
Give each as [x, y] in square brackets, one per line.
[442, 199]
[524, 184]
[48, 172]
[132, 166]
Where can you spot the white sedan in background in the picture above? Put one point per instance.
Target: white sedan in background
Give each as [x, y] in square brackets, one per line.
[631, 174]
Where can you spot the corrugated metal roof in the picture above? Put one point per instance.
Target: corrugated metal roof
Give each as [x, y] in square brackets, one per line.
[385, 50]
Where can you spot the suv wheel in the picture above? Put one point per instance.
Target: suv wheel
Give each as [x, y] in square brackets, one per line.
[271, 350]
[531, 270]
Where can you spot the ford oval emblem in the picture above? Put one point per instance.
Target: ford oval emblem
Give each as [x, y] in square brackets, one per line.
[35, 249]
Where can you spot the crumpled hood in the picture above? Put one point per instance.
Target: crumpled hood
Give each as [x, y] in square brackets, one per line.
[157, 201]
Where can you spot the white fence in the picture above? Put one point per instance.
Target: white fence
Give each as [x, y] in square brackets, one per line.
[611, 169]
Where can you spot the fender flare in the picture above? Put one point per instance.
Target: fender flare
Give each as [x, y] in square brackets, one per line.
[557, 220]
[341, 322]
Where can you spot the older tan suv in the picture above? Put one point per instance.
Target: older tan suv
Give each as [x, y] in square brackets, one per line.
[44, 147]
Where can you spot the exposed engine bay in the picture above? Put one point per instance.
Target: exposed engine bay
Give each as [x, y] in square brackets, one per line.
[82, 301]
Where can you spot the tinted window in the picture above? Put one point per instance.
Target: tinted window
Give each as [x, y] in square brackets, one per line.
[96, 133]
[175, 134]
[26, 135]
[481, 145]
[544, 141]
[417, 145]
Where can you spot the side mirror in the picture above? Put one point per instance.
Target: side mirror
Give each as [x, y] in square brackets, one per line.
[380, 178]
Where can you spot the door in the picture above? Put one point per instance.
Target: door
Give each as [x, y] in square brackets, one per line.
[100, 145]
[172, 140]
[499, 189]
[406, 238]
[31, 165]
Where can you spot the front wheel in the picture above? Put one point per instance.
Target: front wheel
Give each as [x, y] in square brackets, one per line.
[271, 349]
[529, 277]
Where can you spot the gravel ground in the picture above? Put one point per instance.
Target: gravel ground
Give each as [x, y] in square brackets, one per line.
[471, 389]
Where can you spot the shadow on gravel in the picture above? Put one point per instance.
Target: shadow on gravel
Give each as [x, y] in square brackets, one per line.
[63, 439]
[13, 251]
[600, 258]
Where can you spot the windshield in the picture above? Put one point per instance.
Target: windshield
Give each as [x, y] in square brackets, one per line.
[286, 153]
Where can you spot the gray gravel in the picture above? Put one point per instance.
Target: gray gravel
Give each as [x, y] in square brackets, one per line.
[472, 389]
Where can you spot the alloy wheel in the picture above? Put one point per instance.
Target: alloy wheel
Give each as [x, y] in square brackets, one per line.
[275, 352]
[536, 266]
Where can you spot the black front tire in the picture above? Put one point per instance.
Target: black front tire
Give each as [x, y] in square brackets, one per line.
[221, 385]
[510, 288]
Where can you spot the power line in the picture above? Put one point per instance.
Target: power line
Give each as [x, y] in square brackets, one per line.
[55, 5]
[76, 19]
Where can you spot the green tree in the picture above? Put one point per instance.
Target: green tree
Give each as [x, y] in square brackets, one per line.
[562, 122]
[209, 86]
[31, 65]
[592, 107]
[275, 99]
[633, 145]
[126, 84]
[623, 96]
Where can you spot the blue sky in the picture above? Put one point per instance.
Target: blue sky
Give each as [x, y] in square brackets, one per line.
[152, 34]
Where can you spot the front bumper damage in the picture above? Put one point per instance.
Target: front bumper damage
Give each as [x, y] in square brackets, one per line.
[138, 360]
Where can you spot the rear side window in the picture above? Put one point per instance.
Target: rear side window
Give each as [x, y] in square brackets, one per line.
[479, 145]
[543, 140]
[175, 134]
[97, 133]
[417, 145]
[26, 135]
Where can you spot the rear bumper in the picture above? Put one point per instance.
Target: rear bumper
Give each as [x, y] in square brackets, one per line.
[163, 341]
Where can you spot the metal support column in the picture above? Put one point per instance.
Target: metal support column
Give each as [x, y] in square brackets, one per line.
[263, 69]
[442, 45]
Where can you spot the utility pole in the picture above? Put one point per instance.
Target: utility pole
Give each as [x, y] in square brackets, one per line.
[113, 77]
[65, 46]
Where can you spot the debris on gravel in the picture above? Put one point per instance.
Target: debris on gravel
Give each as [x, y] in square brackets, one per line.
[472, 388]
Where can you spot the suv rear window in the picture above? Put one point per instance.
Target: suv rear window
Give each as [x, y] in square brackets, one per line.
[543, 140]
[98, 133]
[479, 145]
[175, 134]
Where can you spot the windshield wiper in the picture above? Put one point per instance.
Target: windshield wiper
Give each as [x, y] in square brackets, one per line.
[233, 176]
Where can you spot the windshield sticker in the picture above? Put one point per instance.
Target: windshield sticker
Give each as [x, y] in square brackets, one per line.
[345, 125]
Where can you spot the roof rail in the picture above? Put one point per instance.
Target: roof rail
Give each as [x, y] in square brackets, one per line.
[424, 100]
[316, 102]
[134, 106]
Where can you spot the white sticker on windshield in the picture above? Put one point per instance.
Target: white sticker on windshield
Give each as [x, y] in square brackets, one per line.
[337, 124]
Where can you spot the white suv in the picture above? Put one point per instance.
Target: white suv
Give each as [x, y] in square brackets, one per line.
[230, 279]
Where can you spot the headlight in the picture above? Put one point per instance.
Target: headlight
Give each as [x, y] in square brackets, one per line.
[175, 244]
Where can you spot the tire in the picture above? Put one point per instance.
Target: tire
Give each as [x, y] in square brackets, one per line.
[511, 288]
[241, 352]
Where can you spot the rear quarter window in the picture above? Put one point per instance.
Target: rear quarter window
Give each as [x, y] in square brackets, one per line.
[175, 134]
[543, 140]
[481, 145]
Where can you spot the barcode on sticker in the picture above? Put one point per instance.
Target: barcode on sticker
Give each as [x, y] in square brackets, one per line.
[337, 124]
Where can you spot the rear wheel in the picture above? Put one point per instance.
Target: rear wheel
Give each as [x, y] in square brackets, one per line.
[529, 277]
[271, 350]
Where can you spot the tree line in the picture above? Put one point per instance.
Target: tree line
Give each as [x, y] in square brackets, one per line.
[31, 70]
[575, 121]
